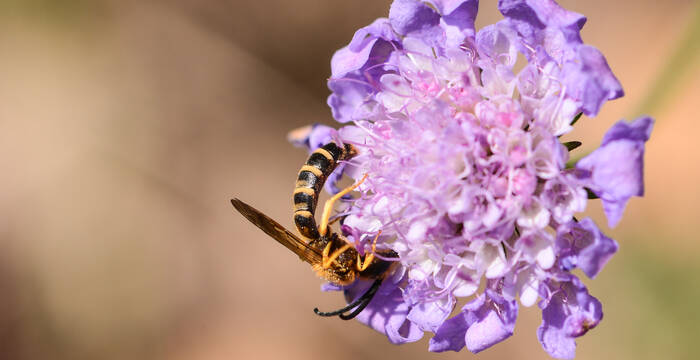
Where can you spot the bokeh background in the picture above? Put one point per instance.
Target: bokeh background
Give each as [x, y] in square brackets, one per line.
[126, 126]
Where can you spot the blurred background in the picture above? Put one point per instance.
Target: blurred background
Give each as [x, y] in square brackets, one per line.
[126, 126]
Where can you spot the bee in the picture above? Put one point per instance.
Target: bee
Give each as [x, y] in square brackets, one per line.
[330, 255]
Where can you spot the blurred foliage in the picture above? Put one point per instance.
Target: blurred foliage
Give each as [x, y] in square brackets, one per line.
[298, 37]
[650, 305]
[51, 11]
[680, 64]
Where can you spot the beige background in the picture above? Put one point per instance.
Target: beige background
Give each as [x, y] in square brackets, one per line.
[126, 126]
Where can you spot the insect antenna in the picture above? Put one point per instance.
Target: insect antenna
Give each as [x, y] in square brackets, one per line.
[359, 309]
[361, 303]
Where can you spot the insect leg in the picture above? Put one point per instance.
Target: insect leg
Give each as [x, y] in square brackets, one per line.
[323, 228]
[331, 222]
[363, 265]
[328, 260]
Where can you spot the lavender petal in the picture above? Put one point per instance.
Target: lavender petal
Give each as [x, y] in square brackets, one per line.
[615, 171]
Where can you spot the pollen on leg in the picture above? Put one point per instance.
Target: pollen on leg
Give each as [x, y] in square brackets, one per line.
[328, 260]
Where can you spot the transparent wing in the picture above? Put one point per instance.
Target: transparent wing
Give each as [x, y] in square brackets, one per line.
[279, 233]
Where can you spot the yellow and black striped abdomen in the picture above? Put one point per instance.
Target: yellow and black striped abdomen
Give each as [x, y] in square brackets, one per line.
[311, 178]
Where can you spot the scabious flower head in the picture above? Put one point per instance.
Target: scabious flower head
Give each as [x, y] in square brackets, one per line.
[467, 179]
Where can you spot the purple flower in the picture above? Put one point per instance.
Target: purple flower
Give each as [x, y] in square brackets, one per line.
[356, 68]
[550, 33]
[583, 245]
[615, 171]
[568, 313]
[466, 173]
[312, 136]
[387, 312]
[484, 321]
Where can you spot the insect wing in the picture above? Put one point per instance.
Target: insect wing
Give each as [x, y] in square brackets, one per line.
[279, 233]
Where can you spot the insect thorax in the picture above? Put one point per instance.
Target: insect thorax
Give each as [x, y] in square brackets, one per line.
[343, 269]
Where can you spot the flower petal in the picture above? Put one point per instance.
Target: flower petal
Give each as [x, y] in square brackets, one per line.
[409, 16]
[448, 7]
[590, 80]
[615, 171]
[549, 31]
[331, 287]
[350, 98]
[387, 312]
[457, 19]
[544, 23]
[569, 313]
[450, 336]
[367, 43]
[356, 69]
[482, 323]
[583, 245]
[492, 322]
[497, 43]
[311, 136]
[430, 315]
